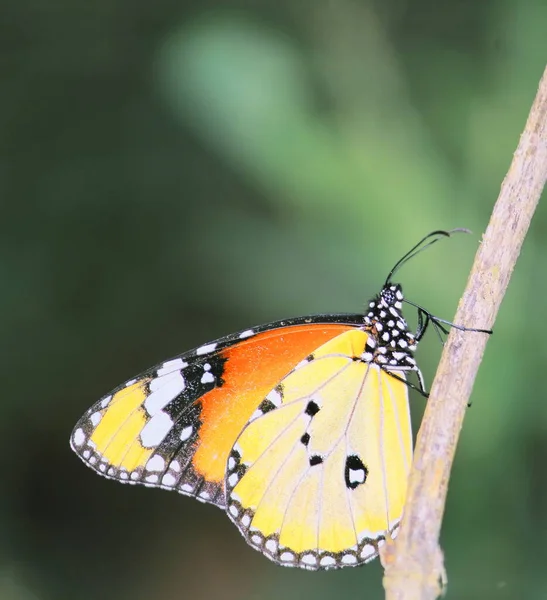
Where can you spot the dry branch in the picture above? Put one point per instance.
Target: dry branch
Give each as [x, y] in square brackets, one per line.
[414, 563]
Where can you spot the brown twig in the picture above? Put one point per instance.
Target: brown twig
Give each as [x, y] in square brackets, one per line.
[414, 563]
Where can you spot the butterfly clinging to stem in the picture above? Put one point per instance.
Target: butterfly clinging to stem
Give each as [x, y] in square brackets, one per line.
[298, 429]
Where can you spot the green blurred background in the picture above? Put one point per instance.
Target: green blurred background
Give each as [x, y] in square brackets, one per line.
[174, 171]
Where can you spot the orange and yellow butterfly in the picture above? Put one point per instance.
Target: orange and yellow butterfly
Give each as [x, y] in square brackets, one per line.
[299, 429]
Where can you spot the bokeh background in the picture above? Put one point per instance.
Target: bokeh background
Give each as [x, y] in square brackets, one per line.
[174, 171]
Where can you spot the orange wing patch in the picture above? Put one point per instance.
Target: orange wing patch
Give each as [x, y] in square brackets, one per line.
[252, 370]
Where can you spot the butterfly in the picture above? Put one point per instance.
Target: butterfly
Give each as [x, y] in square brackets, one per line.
[299, 429]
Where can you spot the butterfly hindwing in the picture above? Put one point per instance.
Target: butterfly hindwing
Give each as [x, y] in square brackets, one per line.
[308, 482]
[174, 426]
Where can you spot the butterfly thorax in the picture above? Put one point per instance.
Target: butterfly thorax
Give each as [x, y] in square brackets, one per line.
[391, 343]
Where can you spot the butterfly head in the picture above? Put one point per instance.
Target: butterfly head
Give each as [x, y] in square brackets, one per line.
[393, 342]
[391, 338]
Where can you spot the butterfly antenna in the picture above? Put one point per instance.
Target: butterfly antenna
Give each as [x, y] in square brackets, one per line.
[428, 240]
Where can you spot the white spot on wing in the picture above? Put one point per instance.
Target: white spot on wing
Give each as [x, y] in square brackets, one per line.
[79, 437]
[246, 333]
[172, 365]
[186, 433]
[95, 418]
[105, 401]
[156, 429]
[349, 559]
[169, 480]
[356, 476]
[207, 377]
[257, 413]
[287, 557]
[205, 349]
[368, 551]
[164, 389]
[156, 463]
[246, 520]
[327, 561]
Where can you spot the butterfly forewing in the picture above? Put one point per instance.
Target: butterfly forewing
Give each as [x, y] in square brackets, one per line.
[306, 481]
[175, 425]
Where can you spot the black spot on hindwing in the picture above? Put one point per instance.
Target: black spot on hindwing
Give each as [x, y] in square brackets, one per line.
[266, 406]
[355, 472]
[312, 408]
